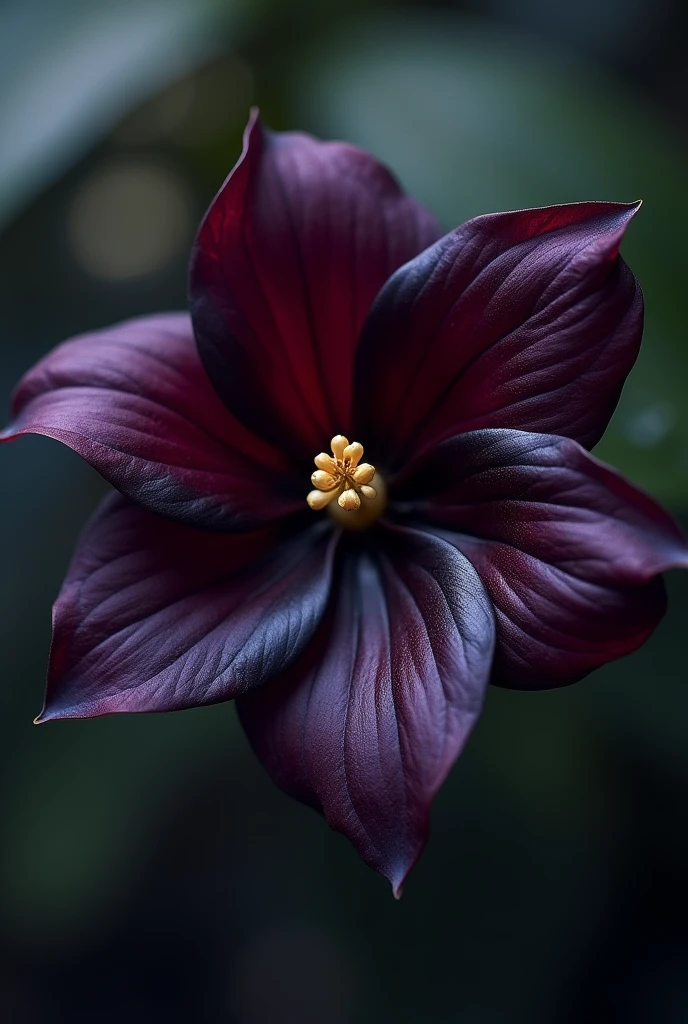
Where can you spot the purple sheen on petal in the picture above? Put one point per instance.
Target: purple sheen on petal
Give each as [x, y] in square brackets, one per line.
[367, 724]
[569, 552]
[548, 497]
[154, 616]
[134, 401]
[293, 250]
[554, 628]
[528, 320]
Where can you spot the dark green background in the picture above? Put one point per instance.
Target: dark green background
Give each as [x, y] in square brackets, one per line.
[148, 868]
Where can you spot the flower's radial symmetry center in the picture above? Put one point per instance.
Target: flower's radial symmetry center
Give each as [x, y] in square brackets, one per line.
[342, 476]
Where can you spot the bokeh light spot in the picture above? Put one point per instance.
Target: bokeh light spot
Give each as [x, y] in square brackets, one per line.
[130, 219]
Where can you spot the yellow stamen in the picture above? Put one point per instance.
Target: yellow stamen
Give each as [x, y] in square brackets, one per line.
[349, 500]
[352, 454]
[323, 481]
[326, 462]
[338, 444]
[319, 499]
[343, 476]
[364, 474]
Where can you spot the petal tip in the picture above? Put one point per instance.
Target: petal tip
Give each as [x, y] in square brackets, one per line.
[50, 713]
[397, 874]
[254, 121]
[627, 211]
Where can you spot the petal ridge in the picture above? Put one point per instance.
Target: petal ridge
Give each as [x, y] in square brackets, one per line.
[134, 401]
[569, 551]
[529, 306]
[156, 617]
[366, 726]
[281, 325]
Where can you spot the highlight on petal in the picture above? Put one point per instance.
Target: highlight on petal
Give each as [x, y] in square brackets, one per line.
[367, 724]
[528, 320]
[134, 401]
[568, 550]
[287, 262]
[154, 616]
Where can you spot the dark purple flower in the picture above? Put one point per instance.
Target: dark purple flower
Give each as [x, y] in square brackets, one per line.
[477, 368]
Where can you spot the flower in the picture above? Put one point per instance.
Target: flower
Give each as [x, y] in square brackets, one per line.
[481, 542]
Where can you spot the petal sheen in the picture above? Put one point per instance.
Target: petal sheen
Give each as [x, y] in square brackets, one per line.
[368, 723]
[154, 616]
[528, 320]
[135, 402]
[287, 262]
[569, 551]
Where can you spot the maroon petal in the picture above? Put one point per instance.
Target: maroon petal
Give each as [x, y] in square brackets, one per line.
[368, 723]
[135, 402]
[288, 260]
[528, 320]
[568, 550]
[154, 616]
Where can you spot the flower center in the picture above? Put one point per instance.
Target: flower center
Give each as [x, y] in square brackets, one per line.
[342, 476]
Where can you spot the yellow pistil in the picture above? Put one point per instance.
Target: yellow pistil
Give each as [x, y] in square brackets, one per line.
[343, 476]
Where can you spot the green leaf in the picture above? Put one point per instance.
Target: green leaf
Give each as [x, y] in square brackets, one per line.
[70, 69]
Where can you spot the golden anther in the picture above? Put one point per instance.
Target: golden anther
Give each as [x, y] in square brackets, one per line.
[319, 499]
[343, 476]
[349, 500]
[352, 453]
[323, 481]
[325, 462]
[364, 473]
[338, 444]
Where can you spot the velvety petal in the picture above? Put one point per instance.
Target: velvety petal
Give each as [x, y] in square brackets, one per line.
[554, 628]
[547, 496]
[154, 616]
[288, 260]
[568, 550]
[368, 723]
[135, 402]
[528, 320]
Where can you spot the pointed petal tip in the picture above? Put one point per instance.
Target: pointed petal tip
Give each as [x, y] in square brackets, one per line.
[397, 874]
[49, 713]
[627, 211]
[254, 121]
[612, 218]
[613, 226]
[12, 430]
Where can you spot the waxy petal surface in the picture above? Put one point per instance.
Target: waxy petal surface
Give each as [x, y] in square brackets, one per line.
[367, 724]
[287, 262]
[568, 550]
[547, 496]
[154, 616]
[528, 320]
[135, 402]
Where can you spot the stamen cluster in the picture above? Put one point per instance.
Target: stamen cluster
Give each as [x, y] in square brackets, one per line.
[341, 475]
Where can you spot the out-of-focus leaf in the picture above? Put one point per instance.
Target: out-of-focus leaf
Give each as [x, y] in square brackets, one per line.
[475, 120]
[69, 69]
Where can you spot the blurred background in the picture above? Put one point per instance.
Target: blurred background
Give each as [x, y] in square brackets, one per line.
[148, 868]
